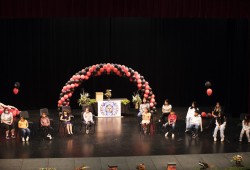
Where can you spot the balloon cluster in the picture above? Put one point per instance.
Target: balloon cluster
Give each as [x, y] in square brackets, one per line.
[209, 90]
[16, 88]
[107, 68]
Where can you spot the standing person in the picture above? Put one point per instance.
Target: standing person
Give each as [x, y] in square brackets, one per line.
[166, 109]
[87, 119]
[65, 117]
[190, 113]
[23, 125]
[141, 109]
[170, 125]
[45, 126]
[217, 109]
[220, 124]
[245, 128]
[8, 123]
[146, 117]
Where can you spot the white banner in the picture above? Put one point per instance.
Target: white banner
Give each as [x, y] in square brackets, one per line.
[109, 108]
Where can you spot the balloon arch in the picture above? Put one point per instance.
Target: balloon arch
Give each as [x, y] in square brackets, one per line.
[106, 68]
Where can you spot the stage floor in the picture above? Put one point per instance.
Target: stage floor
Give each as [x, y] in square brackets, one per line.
[121, 136]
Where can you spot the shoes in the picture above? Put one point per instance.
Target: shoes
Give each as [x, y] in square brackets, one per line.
[49, 136]
[27, 139]
[7, 137]
[194, 136]
[222, 139]
[13, 136]
[186, 130]
[87, 131]
[215, 139]
[172, 135]
[166, 134]
[23, 139]
[240, 140]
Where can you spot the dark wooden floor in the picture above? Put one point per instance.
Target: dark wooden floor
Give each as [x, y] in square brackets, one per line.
[120, 137]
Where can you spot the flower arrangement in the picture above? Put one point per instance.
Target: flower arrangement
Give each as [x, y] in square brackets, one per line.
[237, 159]
[85, 100]
[108, 93]
[125, 101]
[136, 99]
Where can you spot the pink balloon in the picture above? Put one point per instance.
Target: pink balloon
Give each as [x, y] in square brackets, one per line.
[151, 104]
[88, 73]
[82, 77]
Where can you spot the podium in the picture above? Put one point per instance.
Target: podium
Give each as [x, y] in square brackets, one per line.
[99, 96]
[109, 108]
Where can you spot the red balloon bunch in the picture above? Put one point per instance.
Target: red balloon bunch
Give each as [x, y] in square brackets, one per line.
[16, 88]
[208, 86]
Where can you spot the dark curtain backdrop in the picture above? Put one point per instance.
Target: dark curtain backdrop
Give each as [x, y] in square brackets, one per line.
[125, 8]
[176, 57]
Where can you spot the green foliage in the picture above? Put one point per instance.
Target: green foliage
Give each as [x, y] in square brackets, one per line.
[136, 99]
[85, 100]
[125, 101]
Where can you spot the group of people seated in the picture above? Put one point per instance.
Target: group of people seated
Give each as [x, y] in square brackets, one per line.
[193, 121]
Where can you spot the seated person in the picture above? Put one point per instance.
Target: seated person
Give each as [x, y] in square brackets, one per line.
[170, 125]
[142, 106]
[23, 125]
[8, 123]
[66, 119]
[87, 119]
[195, 124]
[166, 109]
[45, 126]
[146, 117]
[220, 124]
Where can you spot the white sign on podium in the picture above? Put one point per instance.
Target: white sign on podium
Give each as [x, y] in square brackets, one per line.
[109, 108]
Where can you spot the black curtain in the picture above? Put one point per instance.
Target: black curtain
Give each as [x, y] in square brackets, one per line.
[176, 57]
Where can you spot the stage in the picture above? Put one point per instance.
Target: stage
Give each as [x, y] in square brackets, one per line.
[119, 141]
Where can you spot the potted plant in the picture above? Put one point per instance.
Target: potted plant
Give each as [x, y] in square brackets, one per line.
[85, 101]
[237, 159]
[125, 101]
[136, 99]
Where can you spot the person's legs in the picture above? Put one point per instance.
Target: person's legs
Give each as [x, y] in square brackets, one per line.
[7, 127]
[242, 133]
[222, 130]
[187, 123]
[247, 134]
[70, 128]
[215, 132]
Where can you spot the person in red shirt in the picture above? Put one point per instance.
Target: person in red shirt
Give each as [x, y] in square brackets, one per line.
[170, 125]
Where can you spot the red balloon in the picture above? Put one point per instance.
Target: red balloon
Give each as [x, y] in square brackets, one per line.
[15, 90]
[209, 92]
[203, 114]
